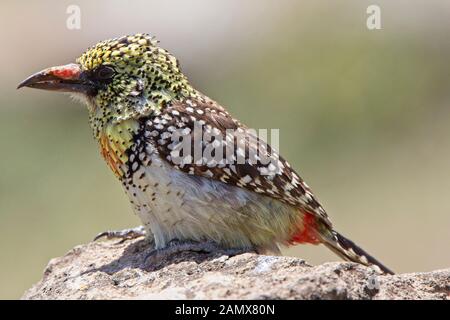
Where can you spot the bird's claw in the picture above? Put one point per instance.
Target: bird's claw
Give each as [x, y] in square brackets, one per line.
[124, 235]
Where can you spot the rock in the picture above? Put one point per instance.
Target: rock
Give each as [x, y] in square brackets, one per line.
[108, 270]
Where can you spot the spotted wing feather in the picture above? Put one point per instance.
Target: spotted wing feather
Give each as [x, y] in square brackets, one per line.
[278, 181]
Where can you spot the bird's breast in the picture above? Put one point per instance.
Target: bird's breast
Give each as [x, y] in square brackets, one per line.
[173, 204]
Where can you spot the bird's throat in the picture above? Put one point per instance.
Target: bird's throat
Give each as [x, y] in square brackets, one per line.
[115, 140]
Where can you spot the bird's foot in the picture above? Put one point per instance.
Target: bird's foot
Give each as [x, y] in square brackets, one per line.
[123, 235]
[176, 246]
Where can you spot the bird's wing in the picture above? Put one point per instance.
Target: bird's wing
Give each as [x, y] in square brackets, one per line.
[245, 168]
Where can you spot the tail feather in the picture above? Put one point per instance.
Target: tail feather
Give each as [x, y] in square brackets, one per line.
[348, 250]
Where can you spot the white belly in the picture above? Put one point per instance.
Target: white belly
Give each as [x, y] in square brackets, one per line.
[175, 205]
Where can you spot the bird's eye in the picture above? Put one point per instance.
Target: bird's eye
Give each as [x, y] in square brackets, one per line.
[104, 73]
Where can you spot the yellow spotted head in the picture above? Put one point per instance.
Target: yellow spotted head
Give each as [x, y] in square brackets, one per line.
[120, 79]
[120, 52]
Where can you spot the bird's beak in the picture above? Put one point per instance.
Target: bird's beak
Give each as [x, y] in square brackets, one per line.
[67, 78]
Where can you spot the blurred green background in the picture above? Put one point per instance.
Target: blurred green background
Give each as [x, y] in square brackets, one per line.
[363, 115]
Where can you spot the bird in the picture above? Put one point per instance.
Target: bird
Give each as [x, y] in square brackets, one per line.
[154, 130]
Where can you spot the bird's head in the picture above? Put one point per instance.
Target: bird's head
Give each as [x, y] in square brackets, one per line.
[119, 79]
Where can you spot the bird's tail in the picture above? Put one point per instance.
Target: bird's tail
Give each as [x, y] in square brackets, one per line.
[348, 250]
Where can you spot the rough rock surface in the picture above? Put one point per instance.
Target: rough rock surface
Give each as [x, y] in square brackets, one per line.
[108, 270]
